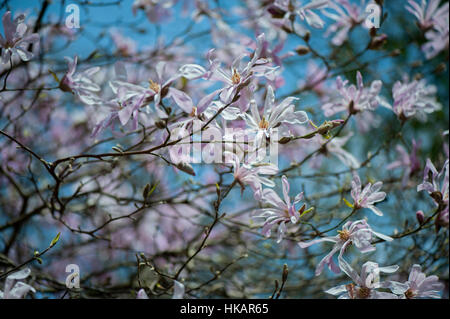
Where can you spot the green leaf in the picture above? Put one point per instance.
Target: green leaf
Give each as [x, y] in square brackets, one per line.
[347, 203]
[55, 240]
[54, 75]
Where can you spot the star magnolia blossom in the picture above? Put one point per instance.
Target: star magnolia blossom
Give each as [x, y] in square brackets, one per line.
[336, 147]
[247, 174]
[281, 211]
[347, 15]
[273, 116]
[80, 83]
[357, 233]
[15, 40]
[438, 188]
[20, 289]
[409, 162]
[367, 197]
[304, 11]
[354, 98]
[418, 285]
[364, 286]
[238, 77]
[414, 98]
[428, 14]
[437, 38]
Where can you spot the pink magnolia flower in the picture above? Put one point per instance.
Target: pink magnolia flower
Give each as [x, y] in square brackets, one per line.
[273, 116]
[280, 211]
[178, 291]
[358, 233]
[239, 75]
[80, 83]
[346, 15]
[15, 40]
[419, 285]
[410, 162]
[367, 197]
[248, 174]
[437, 185]
[20, 289]
[289, 8]
[428, 14]
[437, 38]
[365, 286]
[353, 98]
[335, 147]
[414, 98]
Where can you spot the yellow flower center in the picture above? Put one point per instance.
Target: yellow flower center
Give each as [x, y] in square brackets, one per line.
[154, 86]
[409, 293]
[344, 235]
[236, 77]
[264, 124]
[363, 293]
[193, 112]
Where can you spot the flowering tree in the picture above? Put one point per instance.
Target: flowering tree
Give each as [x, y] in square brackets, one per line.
[227, 149]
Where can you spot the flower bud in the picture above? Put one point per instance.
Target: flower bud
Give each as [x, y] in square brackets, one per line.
[420, 217]
[187, 168]
[302, 50]
[378, 41]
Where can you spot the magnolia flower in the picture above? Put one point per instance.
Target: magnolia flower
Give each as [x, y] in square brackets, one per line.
[238, 77]
[20, 289]
[353, 98]
[418, 285]
[357, 233]
[431, 181]
[280, 211]
[178, 291]
[438, 188]
[15, 40]
[428, 14]
[335, 147]
[347, 15]
[364, 286]
[247, 174]
[80, 83]
[409, 162]
[437, 38]
[413, 98]
[290, 8]
[368, 196]
[273, 116]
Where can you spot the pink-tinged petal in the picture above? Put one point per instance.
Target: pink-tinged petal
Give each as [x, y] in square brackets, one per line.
[315, 241]
[192, 71]
[182, 100]
[125, 114]
[206, 101]
[286, 190]
[375, 210]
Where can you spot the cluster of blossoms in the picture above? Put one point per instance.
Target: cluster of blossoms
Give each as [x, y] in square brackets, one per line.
[238, 90]
[434, 21]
